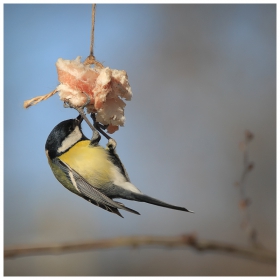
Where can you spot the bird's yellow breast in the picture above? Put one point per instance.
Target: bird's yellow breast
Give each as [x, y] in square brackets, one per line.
[90, 162]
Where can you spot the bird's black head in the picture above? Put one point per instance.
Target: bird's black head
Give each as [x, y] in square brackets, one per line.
[64, 136]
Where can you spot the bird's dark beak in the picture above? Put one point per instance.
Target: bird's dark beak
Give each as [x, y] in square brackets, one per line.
[80, 119]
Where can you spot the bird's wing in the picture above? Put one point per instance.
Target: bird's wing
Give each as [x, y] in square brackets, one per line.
[117, 161]
[91, 193]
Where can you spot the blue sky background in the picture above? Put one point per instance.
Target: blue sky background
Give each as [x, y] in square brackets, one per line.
[200, 76]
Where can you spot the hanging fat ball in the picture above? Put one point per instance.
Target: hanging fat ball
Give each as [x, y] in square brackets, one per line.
[91, 171]
[100, 90]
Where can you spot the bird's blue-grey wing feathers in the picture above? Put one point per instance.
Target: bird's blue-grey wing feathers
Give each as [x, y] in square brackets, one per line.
[90, 193]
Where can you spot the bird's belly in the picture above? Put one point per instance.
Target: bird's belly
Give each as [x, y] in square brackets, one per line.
[90, 162]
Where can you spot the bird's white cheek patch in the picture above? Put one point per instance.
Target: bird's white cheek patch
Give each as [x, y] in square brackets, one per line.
[47, 154]
[71, 139]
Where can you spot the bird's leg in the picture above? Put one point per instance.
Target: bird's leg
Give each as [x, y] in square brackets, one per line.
[96, 127]
[80, 109]
[81, 112]
[99, 126]
[95, 136]
[112, 144]
[88, 100]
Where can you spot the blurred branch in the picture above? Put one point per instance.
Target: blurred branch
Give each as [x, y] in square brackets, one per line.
[183, 241]
[244, 201]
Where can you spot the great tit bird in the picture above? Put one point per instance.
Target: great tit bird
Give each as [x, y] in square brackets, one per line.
[91, 171]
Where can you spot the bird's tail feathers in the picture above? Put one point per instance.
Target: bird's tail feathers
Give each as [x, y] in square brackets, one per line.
[126, 208]
[113, 209]
[151, 200]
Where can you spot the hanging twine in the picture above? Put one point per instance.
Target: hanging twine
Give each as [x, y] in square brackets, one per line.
[89, 60]
[35, 100]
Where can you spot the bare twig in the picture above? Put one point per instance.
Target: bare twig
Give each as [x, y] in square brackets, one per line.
[244, 201]
[183, 241]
